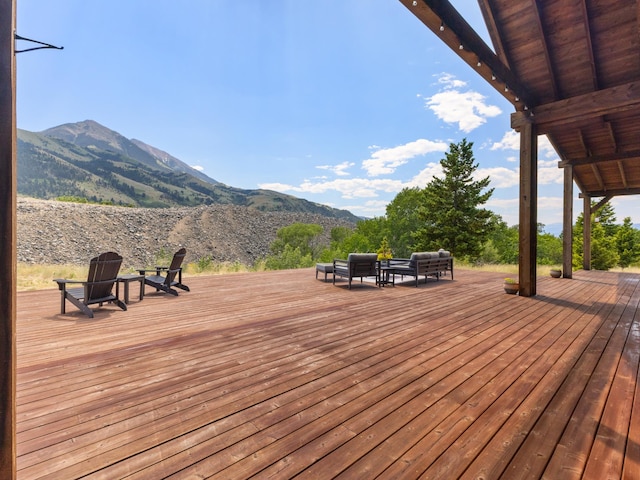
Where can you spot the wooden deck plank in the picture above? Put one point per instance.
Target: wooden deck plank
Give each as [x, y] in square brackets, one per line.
[540, 443]
[276, 374]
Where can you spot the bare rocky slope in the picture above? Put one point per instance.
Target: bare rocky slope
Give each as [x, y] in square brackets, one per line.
[51, 232]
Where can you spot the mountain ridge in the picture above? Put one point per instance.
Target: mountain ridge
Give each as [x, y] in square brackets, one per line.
[88, 160]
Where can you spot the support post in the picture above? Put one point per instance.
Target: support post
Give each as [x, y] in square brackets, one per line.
[586, 233]
[567, 223]
[7, 240]
[528, 227]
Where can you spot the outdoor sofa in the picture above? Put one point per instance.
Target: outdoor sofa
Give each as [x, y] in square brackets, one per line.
[426, 264]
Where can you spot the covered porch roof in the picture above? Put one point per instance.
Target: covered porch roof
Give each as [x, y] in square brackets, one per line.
[570, 69]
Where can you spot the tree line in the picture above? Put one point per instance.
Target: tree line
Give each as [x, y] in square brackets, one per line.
[449, 213]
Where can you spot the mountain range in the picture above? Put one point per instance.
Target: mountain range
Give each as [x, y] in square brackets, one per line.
[89, 161]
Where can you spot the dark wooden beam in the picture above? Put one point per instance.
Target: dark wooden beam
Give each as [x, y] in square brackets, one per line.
[528, 216]
[567, 223]
[448, 25]
[600, 158]
[600, 204]
[494, 30]
[623, 174]
[613, 193]
[575, 109]
[7, 241]
[596, 174]
[545, 49]
[587, 39]
[586, 232]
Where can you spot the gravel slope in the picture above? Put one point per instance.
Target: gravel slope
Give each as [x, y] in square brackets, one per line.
[51, 232]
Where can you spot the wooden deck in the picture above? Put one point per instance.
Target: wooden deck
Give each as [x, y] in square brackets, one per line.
[280, 375]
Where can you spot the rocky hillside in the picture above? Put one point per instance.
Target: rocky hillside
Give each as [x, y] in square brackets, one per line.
[51, 232]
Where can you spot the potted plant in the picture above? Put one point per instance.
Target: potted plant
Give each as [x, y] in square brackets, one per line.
[384, 252]
[555, 272]
[511, 286]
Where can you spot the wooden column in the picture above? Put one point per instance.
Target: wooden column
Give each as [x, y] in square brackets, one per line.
[567, 224]
[528, 209]
[7, 241]
[586, 233]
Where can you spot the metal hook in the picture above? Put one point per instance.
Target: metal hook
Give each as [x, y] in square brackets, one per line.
[44, 45]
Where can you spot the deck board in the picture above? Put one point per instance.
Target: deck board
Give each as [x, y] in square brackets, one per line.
[280, 375]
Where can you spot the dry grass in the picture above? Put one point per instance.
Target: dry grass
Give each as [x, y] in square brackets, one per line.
[40, 277]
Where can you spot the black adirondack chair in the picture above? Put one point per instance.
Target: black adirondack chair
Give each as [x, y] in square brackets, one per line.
[165, 278]
[98, 288]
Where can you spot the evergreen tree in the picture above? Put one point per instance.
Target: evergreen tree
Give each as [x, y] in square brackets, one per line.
[450, 216]
[628, 243]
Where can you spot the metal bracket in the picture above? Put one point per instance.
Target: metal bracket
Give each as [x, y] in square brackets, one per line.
[43, 45]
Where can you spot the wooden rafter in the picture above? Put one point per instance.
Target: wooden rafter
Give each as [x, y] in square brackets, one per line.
[623, 175]
[587, 27]
[612, 135]
[545, 49]
[447, 23]
[494, 30]
[596, 173]
[582, 141]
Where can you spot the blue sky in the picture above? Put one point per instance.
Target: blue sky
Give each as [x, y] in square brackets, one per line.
[342, 102]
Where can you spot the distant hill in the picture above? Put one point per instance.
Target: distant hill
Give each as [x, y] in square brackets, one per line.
[90, 161]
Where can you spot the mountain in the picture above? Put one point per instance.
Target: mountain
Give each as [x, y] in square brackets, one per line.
[90, 161]
[91, 135]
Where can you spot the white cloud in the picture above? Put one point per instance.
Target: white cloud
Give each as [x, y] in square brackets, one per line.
[385, 161]
[450, 81]
[501, 177]
[468, 109]
[340, 169]
[425, 175]
[511, 141]
[198, 168]
[348, 188]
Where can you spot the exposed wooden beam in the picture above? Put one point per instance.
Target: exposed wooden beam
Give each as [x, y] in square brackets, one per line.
[8, 241]
[612, 135]
[457, 33]
[564, 112]
[494, 31]
[596, 173]
[623, 175]
[614, 192]
[600, 204]
[587, 39]
[545, 49]
[600, 158]
[585, 148]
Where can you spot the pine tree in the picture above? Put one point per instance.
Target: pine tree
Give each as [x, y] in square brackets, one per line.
[628, 243]
[450, 215]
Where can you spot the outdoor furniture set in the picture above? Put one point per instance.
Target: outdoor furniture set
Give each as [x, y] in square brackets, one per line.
[103, 274]
[362, 265]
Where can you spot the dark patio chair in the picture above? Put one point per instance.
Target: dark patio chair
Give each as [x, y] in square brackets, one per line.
[357, 265]
[167, 281]
[98, 288]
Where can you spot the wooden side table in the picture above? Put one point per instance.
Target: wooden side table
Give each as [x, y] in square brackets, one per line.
[127, 279]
